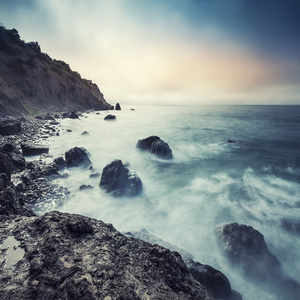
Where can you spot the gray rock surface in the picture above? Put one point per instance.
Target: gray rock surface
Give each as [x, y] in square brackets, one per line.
[74, 257]
[119, 181]
[10, 126]
[156, 146]
[76, 157]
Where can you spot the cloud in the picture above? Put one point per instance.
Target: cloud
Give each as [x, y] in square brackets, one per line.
[204, 51]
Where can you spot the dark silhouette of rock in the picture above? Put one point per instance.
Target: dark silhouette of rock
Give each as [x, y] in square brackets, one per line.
[16, 158]
[85, 187]
[77, 156]
[5, 165]
[119, 181]
[84, 133]
[60, 162]
[33, 149]
[231, 141]
[213, 280]
[73, 115]
[155, 145]
[95, 175]
[110, 117]
[216, 283]
[118, 106]
[10, 126]
[74, 257]
[246, 248]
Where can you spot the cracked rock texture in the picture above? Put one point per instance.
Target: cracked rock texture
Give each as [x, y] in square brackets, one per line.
[74, 257]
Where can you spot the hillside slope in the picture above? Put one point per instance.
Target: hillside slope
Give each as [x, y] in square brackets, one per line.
[32, 82]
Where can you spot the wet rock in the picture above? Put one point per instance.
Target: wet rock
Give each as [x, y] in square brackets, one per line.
[85, 187]
[33, 149]
[246, 248]
[155, 145]
[85, 133]
[73, 115]
[110, 117]
[119, 181]
[76, 157]
[10, 126]
[5, 165]
[216, 283]
[74, 257]
[60, 162]
[118, 106]
[95, 175]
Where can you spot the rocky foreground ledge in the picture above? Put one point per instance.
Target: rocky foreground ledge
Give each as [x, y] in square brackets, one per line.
[69, 256]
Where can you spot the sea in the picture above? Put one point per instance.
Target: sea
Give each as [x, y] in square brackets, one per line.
[231, 164]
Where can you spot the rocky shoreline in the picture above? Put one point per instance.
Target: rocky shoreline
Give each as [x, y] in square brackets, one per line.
[68, 256]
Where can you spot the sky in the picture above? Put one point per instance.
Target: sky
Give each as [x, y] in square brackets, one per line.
[171, 51]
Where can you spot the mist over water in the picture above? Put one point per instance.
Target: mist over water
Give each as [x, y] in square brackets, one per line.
[209, 182]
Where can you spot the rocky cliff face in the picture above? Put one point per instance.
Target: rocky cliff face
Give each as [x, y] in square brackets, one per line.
[32, 82]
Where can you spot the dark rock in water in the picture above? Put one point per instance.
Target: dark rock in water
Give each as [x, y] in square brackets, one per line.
[85, 187]
[10, 126]
[77, 156]
[69, 130]
[155, 145]
[74, 257]
[216, 283]
[32, 149]
[49, 169]
[84, 133]
[95, 175]
[119, 181]
[246, 248]
[73, 115]
[60, 162]
[110, 117]
[231, 141]
[213, 280]
[118, 107]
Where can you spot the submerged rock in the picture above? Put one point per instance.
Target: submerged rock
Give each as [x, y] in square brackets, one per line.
[119, 181]
[74, 257]
[246, 248]
[155, 145]
[73, 115]
[33, 149]
[77, 156]
[10, 126]
[110, 117]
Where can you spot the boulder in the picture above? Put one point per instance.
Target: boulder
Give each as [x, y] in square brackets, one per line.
[10, 126]
[76, 157]
[5, 165]
[118, 107]
[84, 133]
[69, 256]
[119, 181]
[246, 248]
[73, 115]
[60, 162]
[155, 145]
[94, 175]
[17, 159]
[216, 283]
[33, 149]
[110, 117]
[85, 187]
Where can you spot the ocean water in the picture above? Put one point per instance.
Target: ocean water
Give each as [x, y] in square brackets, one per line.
[210, 182]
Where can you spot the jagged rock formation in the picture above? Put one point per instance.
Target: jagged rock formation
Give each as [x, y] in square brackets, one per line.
[74, 257]
[77, 156]
[32, 82]
[156, 146]
[119, 181]
[246, 248]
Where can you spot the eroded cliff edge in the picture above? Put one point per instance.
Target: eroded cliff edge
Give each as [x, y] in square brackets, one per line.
[32, 82]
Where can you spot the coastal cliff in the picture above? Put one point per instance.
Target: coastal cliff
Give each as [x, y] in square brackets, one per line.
[32, 82]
